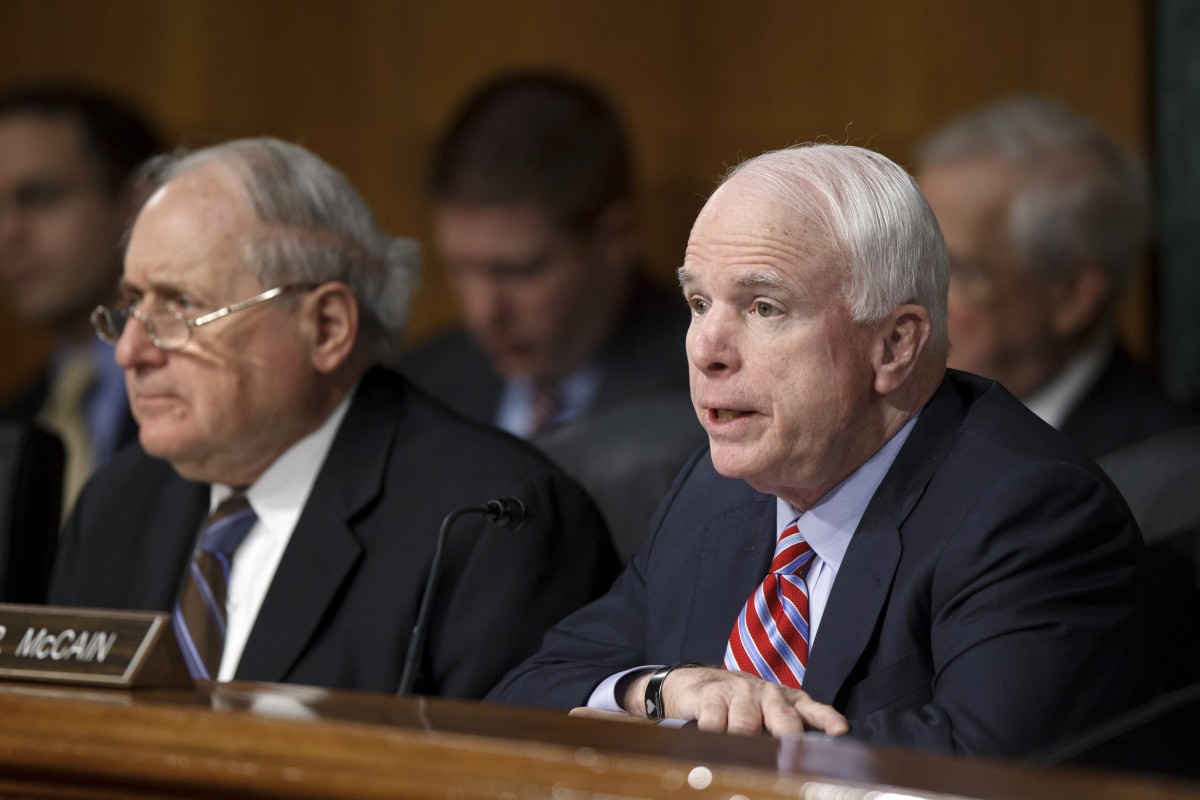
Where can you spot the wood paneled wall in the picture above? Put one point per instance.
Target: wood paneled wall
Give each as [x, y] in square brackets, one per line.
[702, 83]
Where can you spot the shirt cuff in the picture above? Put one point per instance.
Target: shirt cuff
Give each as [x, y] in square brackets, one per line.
[604, 696]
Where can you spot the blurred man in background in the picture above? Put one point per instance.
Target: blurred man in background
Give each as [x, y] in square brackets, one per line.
[563, 340]
[532, 193]
[66, 153]
[1045, 216]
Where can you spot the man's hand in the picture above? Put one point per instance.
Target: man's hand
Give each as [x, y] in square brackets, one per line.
[735, 702]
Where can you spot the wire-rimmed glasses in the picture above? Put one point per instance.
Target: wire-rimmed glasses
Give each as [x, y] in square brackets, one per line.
[169, 330]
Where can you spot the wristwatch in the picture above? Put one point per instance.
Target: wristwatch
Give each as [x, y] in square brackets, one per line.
[654, 698]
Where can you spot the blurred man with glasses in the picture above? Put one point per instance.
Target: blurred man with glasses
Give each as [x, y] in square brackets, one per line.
[1045, 215]
[66, 153]
[258, 297]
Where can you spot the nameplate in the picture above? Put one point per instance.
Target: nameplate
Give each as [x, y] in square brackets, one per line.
[118, 649]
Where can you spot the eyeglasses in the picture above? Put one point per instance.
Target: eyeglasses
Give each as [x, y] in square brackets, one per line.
[170, 330]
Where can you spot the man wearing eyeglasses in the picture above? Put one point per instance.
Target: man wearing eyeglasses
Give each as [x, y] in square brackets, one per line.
[259, 296]
[66, 152]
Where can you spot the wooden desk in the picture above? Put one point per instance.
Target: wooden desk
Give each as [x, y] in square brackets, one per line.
[245, 740]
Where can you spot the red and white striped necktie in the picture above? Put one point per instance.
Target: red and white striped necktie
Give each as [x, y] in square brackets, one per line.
[770, 638]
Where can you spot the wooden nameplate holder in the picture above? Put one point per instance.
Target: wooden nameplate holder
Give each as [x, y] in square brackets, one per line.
[117, 649]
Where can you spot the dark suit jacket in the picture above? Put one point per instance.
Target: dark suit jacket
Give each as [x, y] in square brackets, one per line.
[1123, 406]
[342, 603]
[985, 604]
[646, 354]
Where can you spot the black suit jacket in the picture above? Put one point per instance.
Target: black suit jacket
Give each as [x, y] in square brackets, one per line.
[342, 603]
[1123, 406]
[985, 604]
[645, 355]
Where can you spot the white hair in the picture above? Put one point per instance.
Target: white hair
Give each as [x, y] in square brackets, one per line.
[318, 229]
[1082, 198]
[877, 221]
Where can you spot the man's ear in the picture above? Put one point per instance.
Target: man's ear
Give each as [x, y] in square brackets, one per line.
[1079, 298]
[900, 341]
[331, 314]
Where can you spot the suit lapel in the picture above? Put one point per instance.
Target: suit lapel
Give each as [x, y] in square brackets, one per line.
[171, 529]
[727, 575]
[864, 581]
[324, 550]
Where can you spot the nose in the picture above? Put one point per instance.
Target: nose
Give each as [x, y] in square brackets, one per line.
[711, 343]
[134, 348]
[484, 302]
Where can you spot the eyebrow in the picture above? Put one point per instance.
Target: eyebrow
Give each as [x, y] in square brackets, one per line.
[767, 278]
[168, 289]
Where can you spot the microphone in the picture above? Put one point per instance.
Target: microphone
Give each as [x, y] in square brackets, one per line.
[506, 512]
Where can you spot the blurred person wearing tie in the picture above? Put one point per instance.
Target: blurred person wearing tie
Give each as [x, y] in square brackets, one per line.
[66, 154]
[1045, 217]
[872, 544]
[285, 495]
[531, 187]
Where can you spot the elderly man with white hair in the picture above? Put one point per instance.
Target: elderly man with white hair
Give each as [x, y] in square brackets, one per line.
[285, 495]
[870, 544]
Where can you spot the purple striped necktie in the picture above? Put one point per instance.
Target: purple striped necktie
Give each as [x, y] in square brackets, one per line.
[546, 402]
[770, 638]
[200, 616]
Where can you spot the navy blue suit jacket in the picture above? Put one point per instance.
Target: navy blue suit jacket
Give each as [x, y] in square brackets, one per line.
[985, 604]
[342, 604]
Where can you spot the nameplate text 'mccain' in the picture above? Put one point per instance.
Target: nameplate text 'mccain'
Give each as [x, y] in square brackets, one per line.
[118, 649]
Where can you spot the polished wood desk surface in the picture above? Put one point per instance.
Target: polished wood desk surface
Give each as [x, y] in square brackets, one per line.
[258, 741]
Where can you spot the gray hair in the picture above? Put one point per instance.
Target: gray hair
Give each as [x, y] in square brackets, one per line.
[876, 218]
[1083, 197]
[319, 229]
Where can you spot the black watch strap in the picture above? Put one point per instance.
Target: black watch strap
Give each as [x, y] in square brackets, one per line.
[654, 698]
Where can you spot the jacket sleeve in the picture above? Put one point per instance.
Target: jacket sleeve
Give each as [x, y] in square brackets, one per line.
[1034, 632]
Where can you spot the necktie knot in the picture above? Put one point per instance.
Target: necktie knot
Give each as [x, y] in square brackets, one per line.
[546, 403]
[792, 552]
[228, 526]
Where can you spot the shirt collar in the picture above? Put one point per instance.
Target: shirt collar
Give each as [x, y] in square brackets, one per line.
[1054, 401]
[515, 412]
[830, 524]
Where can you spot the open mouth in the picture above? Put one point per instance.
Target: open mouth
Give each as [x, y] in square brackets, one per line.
[728, 414]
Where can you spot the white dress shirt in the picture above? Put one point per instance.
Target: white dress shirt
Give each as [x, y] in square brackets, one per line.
[1057, 399]
[277, 497]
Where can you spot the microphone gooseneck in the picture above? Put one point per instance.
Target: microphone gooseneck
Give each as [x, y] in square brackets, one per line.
[506, 512]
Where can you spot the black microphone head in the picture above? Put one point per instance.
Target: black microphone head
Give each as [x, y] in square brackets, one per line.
[507, 512]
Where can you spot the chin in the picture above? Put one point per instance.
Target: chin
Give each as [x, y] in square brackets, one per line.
[732, 463]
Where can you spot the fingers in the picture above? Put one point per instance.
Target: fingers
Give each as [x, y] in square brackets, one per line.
[734, 702]
[822, 717]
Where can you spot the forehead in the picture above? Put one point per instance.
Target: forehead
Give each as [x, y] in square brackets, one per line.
[970, 198]
[195, 227]
[744, 228]
[36, 144]
[491, 231]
